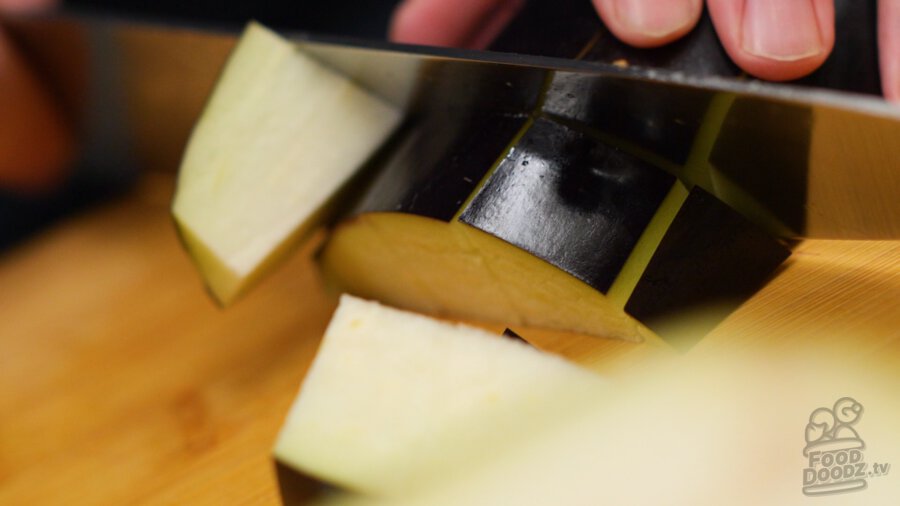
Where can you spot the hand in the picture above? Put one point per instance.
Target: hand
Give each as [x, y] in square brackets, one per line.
[776, 40]
[36, 144]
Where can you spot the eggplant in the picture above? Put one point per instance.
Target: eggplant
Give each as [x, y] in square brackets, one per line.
[259, 173]
[570, 200]
[512, 334]
[396, 402]
[709, 255]
[564, 231]
[558, 28]
[440, 163]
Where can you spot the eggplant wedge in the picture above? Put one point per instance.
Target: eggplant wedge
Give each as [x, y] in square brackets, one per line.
[396, 402]
[261, 169]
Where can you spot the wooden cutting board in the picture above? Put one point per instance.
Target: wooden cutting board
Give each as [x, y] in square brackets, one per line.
[122, 383]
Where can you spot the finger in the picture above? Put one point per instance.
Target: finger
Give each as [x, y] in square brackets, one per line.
[649, 23]
[35, 143]
[889, 47]
[458, 23]
[776, 40]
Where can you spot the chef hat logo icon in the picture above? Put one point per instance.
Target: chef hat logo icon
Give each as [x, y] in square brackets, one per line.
[835, 450]
[831, 429]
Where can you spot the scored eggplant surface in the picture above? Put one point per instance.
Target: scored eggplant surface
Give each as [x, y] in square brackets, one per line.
[563, 231]
[570, 200]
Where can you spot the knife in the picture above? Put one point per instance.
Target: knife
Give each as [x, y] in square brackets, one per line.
[802, 162]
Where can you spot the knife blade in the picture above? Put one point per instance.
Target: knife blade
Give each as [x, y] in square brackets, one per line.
[802, 162]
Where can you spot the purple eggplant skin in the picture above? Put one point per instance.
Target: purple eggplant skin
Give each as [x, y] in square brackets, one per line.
[511, 334]
[758, 148]
[571, 200]
[555, 28]
[661, 119]
[297, 488]
[433, 171]
[455, 90]
[460, 122]
[709, 255]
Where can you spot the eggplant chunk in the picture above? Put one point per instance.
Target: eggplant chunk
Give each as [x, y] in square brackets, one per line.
[261, 170]
[708, 256]
[441, 162]
[558, 28]
[455, 270]
[564, 232]
[570, 200]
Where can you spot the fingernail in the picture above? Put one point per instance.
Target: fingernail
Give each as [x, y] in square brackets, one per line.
[656, 18]
[784, 30]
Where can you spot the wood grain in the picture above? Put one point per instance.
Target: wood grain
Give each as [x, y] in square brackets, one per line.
[122, 383]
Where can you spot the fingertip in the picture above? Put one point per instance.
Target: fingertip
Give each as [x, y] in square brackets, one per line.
[777, 70]
[773, 39]
[889, 48]
[649, 23]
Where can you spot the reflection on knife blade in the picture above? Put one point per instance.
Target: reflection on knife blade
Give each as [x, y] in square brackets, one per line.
[805, 162]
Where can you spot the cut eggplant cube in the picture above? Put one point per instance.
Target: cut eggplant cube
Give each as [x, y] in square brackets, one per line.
[660, 119]
[709, 255]
[260, 172]
[440, 164]
[455, 88]
[559, 28]
[775, 179]
[571, 200]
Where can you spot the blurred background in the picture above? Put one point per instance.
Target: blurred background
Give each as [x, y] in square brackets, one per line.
[21, 216]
